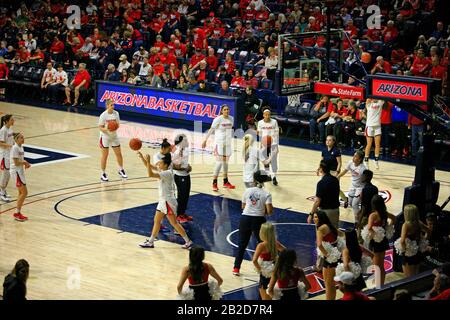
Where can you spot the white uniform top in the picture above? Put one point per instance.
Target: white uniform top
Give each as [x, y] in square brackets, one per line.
[19, 153]
[6, 136]
[49, 75]
[106, 117]
[269, 129]
[251, 165]
[356, 172]
[223, 130]
[374, 113]
[157, 157]
[181, 157]
[62, 76]
[255, 200]
[166, 186]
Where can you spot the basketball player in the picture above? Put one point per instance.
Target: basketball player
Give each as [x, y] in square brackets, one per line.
[222, 126]
[251, 162]
[17, 171]
[6, 143]
[373, 129]
[268, 127]
[110, 139]
[167, 204]
[356, 168]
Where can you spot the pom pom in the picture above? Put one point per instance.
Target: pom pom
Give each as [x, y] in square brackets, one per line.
[186, 294]
[354, 267]
[333, 254]
[277, 293]
[390, 231]
[267, 267]
[365, 234]
[379, 234]
[366, 263]
[302, 291]
[341, 243]
[214, 290]
[410, 250]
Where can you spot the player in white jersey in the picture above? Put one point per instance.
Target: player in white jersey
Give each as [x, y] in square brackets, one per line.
[268, 127]
[222, 127]
[373, 129]
[110, 139]
[6, 143]
[167, 204]
[356, 168]
[17, 171]
[251, 160]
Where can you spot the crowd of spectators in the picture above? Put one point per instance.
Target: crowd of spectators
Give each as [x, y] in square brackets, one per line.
[219, 46]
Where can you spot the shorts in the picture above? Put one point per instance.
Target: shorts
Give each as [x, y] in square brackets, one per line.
[167, 207]
[18, 177]
[4, 162]
[222, 150]
[263, 282]
[373, 131]
[107, 141]
[72, 88]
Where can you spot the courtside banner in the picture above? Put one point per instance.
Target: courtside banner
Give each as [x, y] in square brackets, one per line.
[163, 103]
[340, 90]
[401, 88]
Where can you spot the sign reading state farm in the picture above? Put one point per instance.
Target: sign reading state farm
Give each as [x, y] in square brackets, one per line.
[401, 88]
[339, 90]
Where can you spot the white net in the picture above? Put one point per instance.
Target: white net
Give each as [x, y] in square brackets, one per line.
[294, 99]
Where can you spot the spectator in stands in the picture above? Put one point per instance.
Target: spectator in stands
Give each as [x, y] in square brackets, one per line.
[439, 71]
[196, 58]
[441, 284]
[421, 65]
[79, 84]
[15, 284]
[260, 57]
[3, 48]
[30, 43]
[140, 55]
[47, 79]
[185, 71]
[223, 75]
[291, 61]
[229, 64]
[319, 116]
[145, 68]
[57, 49]
[135, 66]
[251, 80]
[61, 82]
[111, 74]
[123, 64]
[238, 80]
[153, 80]
[334, 124]
[181, 84]
[225, 89]
[346, 283]
[349, 122]
[158, 67]
[193, 84]
[390, 33]
[124, 76]
[381, 66]
[4, 71]
[133, 78]
[10, 54]
[212, 60]
[249, 43]
[202, 87]
[173, 73]
[270, 64]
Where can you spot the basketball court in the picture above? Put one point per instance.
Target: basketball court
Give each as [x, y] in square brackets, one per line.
[82, 236]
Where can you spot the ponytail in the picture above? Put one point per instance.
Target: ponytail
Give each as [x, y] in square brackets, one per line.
[5, 119]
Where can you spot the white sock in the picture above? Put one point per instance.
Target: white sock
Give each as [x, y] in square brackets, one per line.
[186, 239]
[152, 239]
[120, 168]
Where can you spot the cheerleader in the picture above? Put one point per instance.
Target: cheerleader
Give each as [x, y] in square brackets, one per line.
[268, 127]
[222, 126]
[265, 257]
[378, 219]
[6, 143]
[356, 168]
[17, 172]
[251, 163]
[256, 205]
[167, 205]
[110, 139]
[355, 259]
[287, 277]
[373, 129]
[181, 176]
[197, 273]
[411, 245]
[327, 247]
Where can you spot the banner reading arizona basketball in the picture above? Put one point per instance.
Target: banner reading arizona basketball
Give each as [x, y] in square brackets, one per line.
[339, 90]
[163, 103]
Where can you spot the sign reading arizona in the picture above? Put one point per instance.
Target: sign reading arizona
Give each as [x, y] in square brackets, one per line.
[400, 90]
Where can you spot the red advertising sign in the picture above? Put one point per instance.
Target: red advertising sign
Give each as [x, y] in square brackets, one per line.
[400, 90]
[339, 90]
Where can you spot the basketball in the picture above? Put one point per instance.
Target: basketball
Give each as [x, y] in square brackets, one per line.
[113, 125]
[366, 57]
[266, 141]
[135, 144]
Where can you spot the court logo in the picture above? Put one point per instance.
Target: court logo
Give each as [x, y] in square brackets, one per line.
[385, 194]
[37, 156]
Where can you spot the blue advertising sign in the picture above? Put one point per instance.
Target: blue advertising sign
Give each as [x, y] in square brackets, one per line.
[162, 102]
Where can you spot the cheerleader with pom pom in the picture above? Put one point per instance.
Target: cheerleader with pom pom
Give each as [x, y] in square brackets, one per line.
[355, 259]
[265, 257]
[197, 273]
[327, 247]
[411, 230]
[284, 283]
[376, 231]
